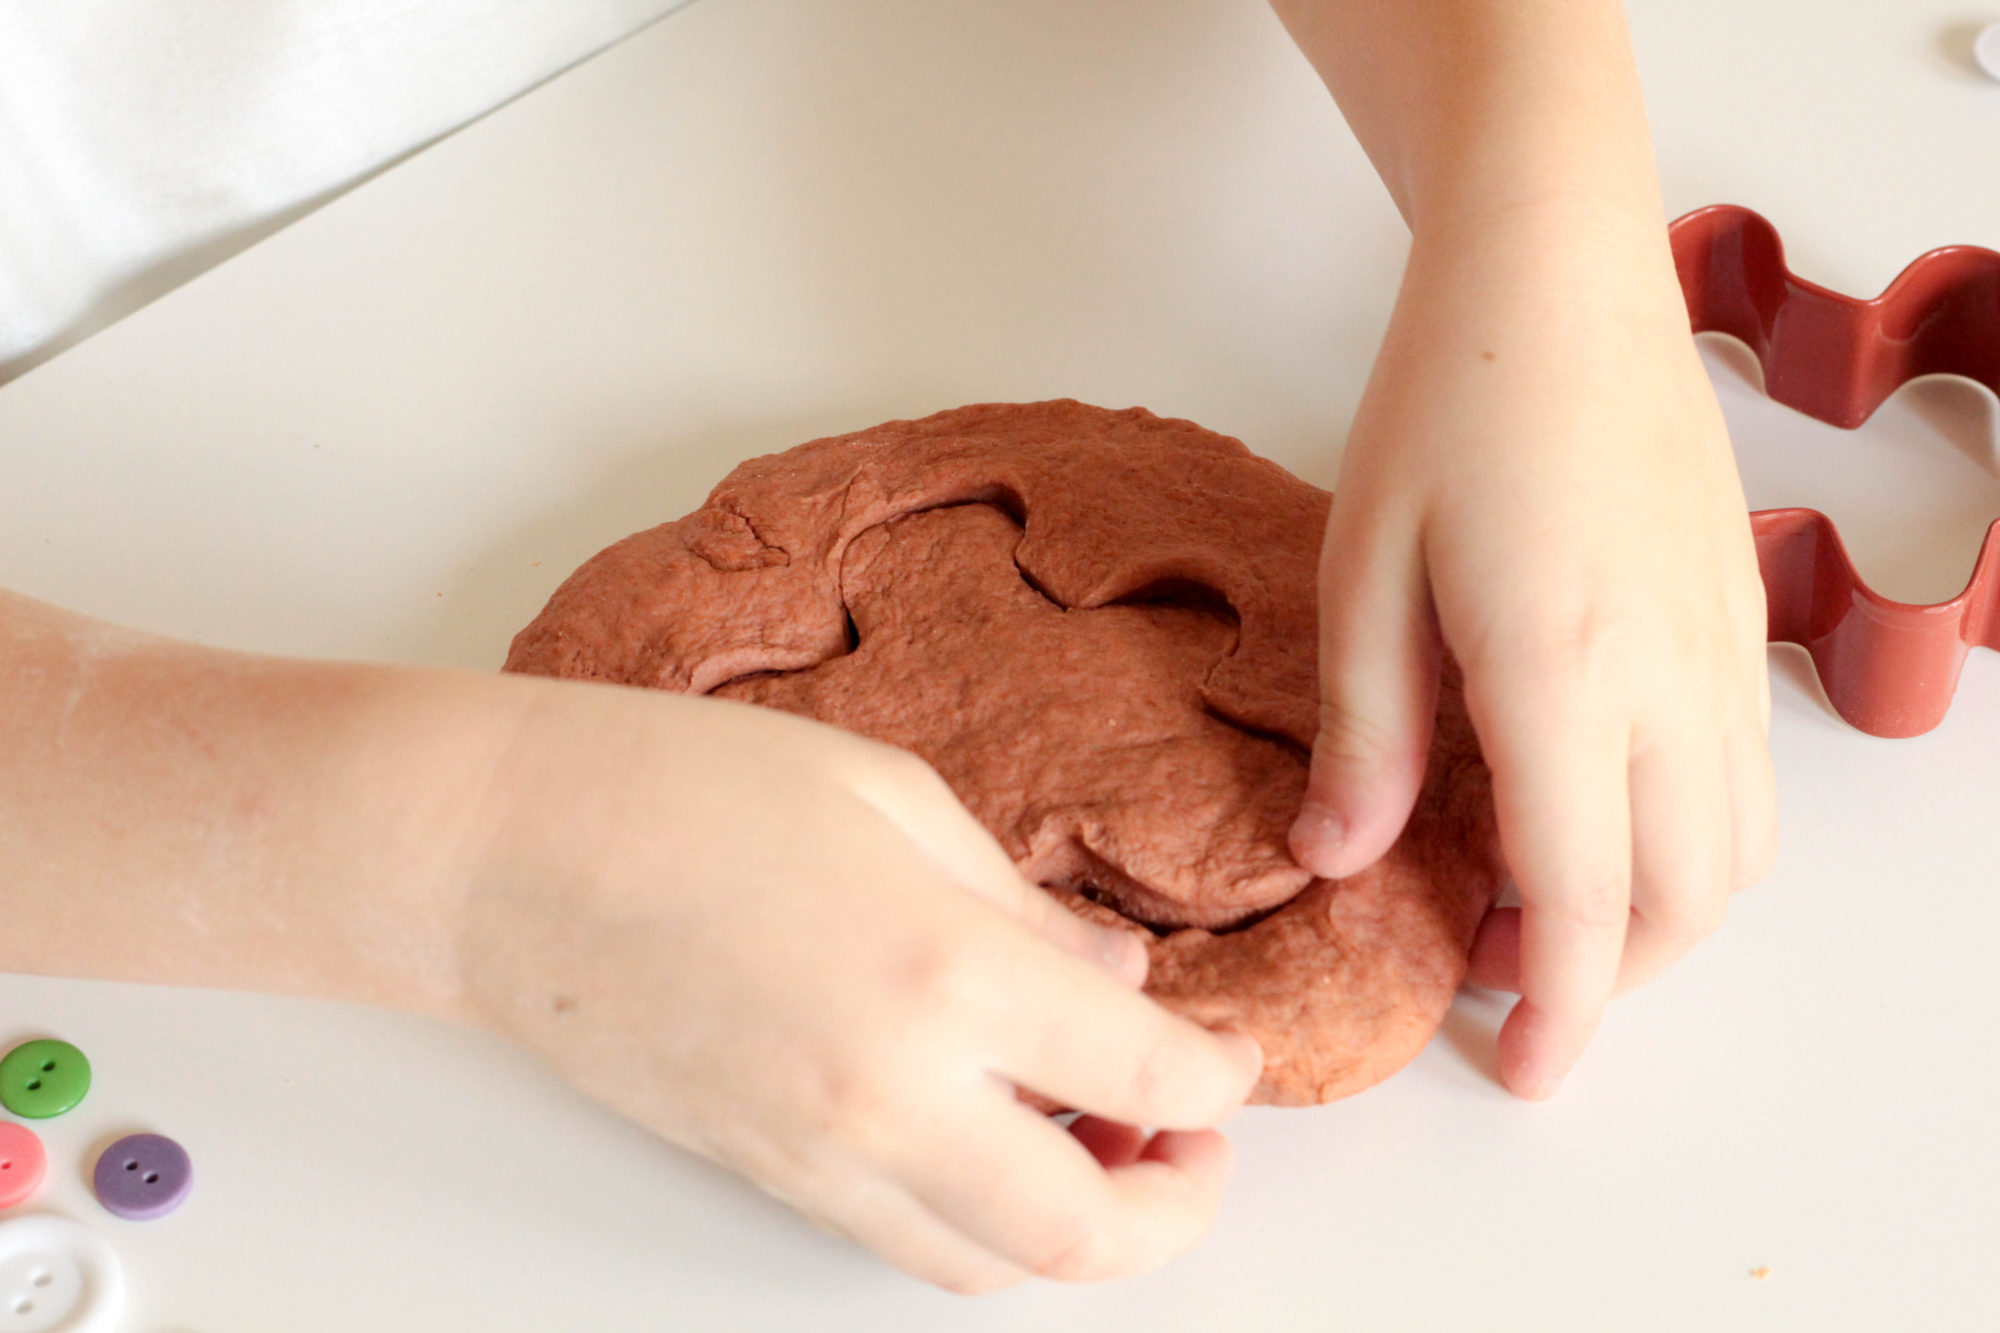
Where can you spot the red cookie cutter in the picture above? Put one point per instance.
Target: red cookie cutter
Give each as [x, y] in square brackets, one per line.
[1888, 667]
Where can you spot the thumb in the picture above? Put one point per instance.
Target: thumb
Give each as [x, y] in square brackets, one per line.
[916, 801]
[1378, 680]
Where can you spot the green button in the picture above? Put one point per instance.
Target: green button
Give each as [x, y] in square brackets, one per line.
[39, 1079]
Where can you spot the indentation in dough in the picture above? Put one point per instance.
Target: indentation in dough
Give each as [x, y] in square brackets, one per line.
[1056, 724]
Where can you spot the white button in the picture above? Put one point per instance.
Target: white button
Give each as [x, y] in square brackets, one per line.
[1986, 49]
[57, 1277]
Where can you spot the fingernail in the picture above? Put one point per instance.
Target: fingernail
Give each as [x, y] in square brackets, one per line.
[1316, 836]
[1537, 1085]
[1117, 949]
[1246, 1050]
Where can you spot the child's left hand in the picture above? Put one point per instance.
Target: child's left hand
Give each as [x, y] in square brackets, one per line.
[1539, 479]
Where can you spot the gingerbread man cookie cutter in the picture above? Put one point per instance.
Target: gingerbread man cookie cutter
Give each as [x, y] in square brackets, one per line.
[1889, 668]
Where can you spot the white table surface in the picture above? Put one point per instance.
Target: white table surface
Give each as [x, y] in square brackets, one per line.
[389, 431]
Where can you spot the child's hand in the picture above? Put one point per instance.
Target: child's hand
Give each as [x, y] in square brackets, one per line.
[783, 946]
[792, 951]
[1540, 476]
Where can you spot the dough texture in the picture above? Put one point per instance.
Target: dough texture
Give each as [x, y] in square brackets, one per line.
[1099, 627]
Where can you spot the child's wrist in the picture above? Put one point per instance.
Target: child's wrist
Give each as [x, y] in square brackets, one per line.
[418, 767]
[1552, 266]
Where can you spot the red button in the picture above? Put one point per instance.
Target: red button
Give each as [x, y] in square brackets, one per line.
[23, 1163]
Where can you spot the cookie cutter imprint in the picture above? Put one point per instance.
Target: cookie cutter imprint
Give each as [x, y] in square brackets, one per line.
[1889, 668]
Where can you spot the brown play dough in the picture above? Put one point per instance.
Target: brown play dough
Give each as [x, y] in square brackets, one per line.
[1099, 628]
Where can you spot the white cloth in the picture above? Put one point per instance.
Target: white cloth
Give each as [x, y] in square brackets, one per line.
[133, 132]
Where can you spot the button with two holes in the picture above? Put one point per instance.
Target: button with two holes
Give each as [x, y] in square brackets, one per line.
[57, 1277]
[39, 1079]
[23, 1163]
[142, 1176]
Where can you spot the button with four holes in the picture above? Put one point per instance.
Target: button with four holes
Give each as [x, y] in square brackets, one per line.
[57, 1277]
[23, 1163]
[39, 1079]
[142, 1176]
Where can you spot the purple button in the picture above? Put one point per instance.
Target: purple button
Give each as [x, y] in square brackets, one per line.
[143, 1176]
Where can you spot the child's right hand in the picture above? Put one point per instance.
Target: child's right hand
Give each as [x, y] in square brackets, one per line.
[791, 950]
[781, 945]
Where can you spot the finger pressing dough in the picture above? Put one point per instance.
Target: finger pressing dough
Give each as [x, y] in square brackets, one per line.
[1099, 628]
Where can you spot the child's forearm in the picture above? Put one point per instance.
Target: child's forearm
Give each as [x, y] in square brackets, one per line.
[1480, 111]
[182, 815]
